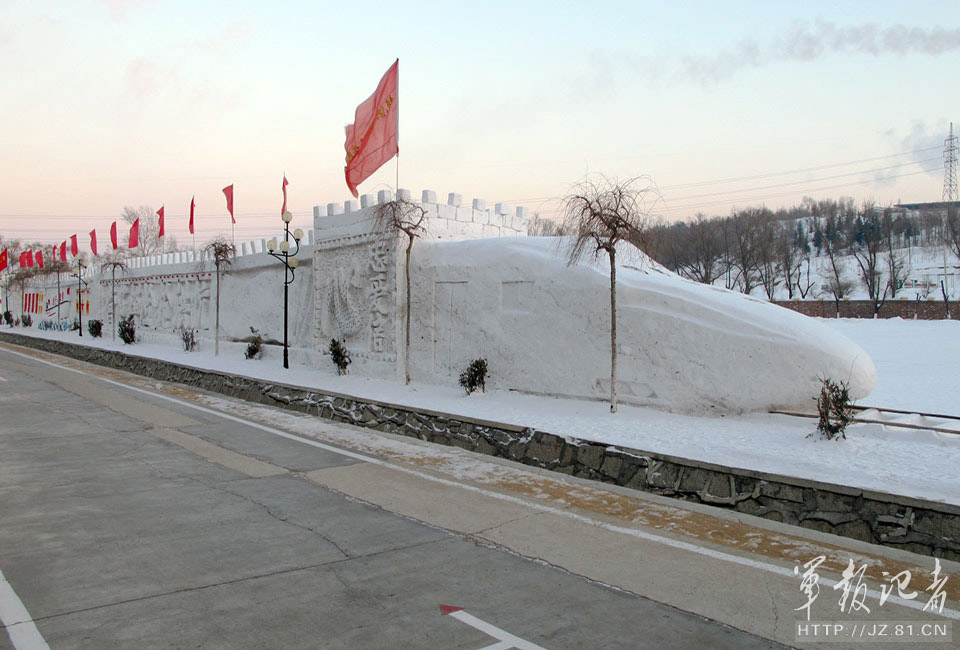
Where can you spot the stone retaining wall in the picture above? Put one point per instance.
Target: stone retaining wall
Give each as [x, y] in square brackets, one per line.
[912, 524]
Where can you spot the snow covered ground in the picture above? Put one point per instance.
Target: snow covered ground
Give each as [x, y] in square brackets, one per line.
[916, 361]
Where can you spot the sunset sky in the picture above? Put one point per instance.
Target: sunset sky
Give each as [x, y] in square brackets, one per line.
[113, 103]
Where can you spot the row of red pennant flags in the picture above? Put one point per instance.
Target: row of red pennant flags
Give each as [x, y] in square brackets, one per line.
[371, 141]
[30, 258]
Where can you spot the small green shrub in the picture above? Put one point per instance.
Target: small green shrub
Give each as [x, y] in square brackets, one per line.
[95, 327]
[189, 338]
[255, 346]
[76, 324]
[834, 409]
[127, 330]
[8, 318]
[26, 320]
[475, 376]
[340, 356]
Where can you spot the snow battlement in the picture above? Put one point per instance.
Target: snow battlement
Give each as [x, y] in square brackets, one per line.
[448, 221]
[252, 247]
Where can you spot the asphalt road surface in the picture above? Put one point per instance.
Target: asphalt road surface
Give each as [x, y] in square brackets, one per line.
[125, 522]
[138, 514]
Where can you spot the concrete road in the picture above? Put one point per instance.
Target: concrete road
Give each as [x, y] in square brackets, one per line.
[142, 515]
[132, 522]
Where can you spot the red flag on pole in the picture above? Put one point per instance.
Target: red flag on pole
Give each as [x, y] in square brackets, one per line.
[3, 260]
[373, 138]
[284, 188]
[40, 259]
[134, 234]
[228, 192]
[113, 235]
[63, 251]
[192, 206]
[26, 259]
[93, 241]
[160, 214]
[74, 248]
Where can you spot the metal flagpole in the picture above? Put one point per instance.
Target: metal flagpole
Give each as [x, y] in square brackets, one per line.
[396, 194]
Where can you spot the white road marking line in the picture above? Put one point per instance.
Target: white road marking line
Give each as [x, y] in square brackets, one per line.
[2, 380]
[23, 634]
[506, 640]
[639, 534]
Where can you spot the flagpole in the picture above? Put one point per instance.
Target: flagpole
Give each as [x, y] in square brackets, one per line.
[397, 193]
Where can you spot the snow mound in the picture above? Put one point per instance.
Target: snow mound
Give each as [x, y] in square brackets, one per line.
[543, 327]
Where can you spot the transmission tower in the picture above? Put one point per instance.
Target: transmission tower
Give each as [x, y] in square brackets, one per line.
[950, 167]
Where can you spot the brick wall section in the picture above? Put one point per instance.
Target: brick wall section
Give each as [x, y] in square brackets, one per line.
[920, 526]
[906, 309]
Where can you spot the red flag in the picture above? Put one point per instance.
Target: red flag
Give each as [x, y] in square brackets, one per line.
[63, 251]
[26, 259]
[284, 188]
[113, 235]
[40, 259]
[3, 259]
[74, 248]
[93, 241]
[373, 138]
[192, 206]
[134, 234]
[160, 214]
[228, 192]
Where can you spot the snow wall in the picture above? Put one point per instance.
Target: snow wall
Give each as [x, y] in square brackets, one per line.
[482, 289]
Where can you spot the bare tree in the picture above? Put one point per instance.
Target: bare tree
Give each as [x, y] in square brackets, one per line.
[151, 243]
[396, 217]
[830, 235]
[221, 252]
[897, 268]
[598, 215]
[951, 230]
[765, 247]
[744, 239]
[700, 249]
[804, 283]
[115, 261]
[866, 247]
[541, 227]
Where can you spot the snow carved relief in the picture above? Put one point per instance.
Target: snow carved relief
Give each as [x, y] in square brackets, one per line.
[163, 302]
[355, 292]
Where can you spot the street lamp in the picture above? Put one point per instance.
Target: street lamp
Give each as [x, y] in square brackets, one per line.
[290, 263]
[78, 274]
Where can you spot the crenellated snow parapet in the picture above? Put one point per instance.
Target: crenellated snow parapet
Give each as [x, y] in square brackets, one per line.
[444, 221]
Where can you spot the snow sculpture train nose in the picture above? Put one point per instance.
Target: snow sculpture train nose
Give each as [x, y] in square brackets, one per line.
[543, 326]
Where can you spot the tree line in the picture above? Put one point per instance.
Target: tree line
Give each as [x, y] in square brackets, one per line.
[758, 249]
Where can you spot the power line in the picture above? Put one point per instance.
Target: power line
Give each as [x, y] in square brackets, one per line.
[811, 180]
[739, 179]
[796, 171]
[781, 194]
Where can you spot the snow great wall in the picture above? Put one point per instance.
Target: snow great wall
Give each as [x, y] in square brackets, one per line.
[482, 289]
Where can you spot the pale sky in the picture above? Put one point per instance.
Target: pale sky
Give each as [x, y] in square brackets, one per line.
[109, 103]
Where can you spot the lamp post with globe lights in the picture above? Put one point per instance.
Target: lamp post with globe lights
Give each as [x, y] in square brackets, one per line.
[78, 274]
[290, 263]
